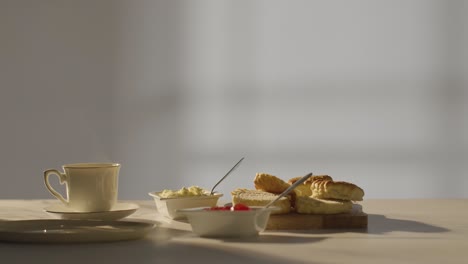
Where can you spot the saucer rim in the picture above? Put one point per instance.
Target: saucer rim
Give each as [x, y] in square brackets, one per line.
[132, 206]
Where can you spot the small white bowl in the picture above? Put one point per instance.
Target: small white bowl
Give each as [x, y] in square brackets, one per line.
[219, 223]
[169, 206]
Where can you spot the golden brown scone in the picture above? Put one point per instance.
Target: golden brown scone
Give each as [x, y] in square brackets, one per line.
[311, 179]
[304, 189]
[340, 190]
[270, 183]
[309, 205]
[260, 198]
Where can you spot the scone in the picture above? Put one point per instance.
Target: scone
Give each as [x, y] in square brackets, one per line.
[260, 198]
[311, 179]
[309, 205]
[340, 190]
[304, 189]
[270, 183]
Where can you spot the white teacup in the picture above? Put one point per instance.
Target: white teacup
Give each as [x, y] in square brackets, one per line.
[91, 187]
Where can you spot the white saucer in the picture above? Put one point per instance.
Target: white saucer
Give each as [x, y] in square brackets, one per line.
[120, 210]
[72, 231]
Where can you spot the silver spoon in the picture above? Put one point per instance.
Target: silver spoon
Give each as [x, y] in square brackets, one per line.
[232, 169]
[288, 190]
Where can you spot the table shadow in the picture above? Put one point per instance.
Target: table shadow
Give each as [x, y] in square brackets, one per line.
[380, 224]
[272, 239]
[167, 233]
[143, 251]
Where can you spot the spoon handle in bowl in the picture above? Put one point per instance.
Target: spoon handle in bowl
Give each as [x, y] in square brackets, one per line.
[288, 190]
[224, 177]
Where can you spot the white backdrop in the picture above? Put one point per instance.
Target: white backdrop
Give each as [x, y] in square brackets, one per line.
[372, 92]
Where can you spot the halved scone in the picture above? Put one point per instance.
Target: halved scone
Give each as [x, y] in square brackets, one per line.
[260, 198]
[309, 205]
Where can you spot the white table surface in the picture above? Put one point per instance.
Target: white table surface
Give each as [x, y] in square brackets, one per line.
[399, 231]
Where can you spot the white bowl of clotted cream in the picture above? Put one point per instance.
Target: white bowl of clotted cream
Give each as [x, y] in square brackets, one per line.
[169, 201]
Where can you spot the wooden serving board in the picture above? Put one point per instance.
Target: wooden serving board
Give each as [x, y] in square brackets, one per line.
[295, 221]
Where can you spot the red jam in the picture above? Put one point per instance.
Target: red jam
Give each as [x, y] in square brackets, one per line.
[237, 207]
[240, 207]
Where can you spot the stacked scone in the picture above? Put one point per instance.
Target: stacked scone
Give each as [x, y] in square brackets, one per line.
[318, 195]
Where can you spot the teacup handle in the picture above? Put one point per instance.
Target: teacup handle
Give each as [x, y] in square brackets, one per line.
[63, 179]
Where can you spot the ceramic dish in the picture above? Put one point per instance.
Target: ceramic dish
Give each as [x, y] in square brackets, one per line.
[169, 206]
[214, 223]
[72, 231]
[119, 211]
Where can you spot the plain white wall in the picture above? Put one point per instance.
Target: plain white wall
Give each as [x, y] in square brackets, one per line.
[56, 81]
[372, 92]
